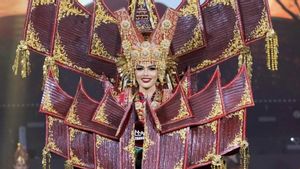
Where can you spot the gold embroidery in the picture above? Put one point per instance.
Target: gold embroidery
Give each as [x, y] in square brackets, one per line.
[36, 3]
[61, 56]
[233, 48]
[238, 136]
[147, 142]
[72, 117]
[67, 8]
[246, 98]
[47, 103]
[182, 134]
[179, 164]
[263, 26]
[216, 107]
[130, 148]
[193, 43]
[100, 140]
[99, 49]
[51, 143]
[183, 111]
[213, 125]
[33, 40]
[230, 3]
[74, 159]
[100, 114]
[153, 17]
[102, 16]
[191, 9]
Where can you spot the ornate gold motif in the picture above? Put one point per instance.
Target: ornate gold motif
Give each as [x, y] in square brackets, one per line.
[33, 40]
[47, 103]
[246, 98]
[36, 3]
[51, 143]
[190, 9]
[183, 111]
[263, 26]
[102, 16]
[182, 134]
[153, 17]
[72, 117]
[193, 43]
[216, 107]
[213, 125]
[233, 48]
[100, 140]
[272, 50]
[238, 136]
[67, 8]
[61, 56]
[99, 49]
[231, 3]
[179, 164]
[147, 142]
[185, 85]
[100, 114]
[130, 148]
[209, 155]
[74, 159]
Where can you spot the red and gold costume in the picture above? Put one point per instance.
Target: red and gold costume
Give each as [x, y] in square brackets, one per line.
[183, 126]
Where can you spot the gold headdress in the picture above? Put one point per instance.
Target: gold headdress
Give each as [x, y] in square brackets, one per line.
[137, 49]
[21, 156]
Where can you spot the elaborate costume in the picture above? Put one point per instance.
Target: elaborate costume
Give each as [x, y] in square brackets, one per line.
[21, 158]
[179, 126]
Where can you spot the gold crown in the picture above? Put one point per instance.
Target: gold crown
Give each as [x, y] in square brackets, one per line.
[155, 49]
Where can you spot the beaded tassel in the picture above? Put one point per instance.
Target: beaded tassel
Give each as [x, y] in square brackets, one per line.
[46, 158]
[272, 50]
[218, 163]
[246, 58]
[245, 155]
[22, 57]
[49, 64]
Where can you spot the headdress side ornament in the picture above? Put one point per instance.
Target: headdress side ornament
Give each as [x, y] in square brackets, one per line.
[138, 49]
[21, 156]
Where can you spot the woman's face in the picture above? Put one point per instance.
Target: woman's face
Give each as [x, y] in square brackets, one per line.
[146, 75]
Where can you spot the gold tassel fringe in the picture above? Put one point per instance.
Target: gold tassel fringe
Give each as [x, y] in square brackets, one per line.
[68, 165]
[245, 155]
[46, 158]
[245, 57]
[272, 50]
[49, 64]
[22, 57]
[218, 162]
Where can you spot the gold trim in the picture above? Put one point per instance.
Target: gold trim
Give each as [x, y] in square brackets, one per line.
[36, 3]
[182, 134]
[99, 49]
[153, 17]
[183, 111]
[216, 107]
[191, 8]
[238, 138]
[102, 16]
[233, 48]
[67, 8]
[193, 43]
[185, 85]
[231, 3]
[100, 140]
[47, 103]
[100, 114]
[61, 56]
[74, 159]
[246, 98]
[72, 116]
[147, 142]
[33, 40]
[179, 164]
[130, 148]
[51, 143]
[263, 26]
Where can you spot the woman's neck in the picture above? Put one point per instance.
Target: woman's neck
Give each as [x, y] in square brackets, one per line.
[148, 93]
